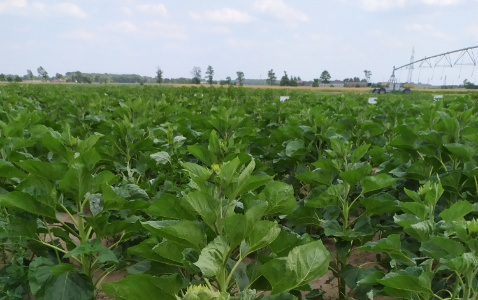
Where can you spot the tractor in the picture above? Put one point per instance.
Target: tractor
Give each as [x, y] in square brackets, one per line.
[392, 86]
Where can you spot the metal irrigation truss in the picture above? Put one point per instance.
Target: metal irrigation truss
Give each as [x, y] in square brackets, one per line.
[450, 59]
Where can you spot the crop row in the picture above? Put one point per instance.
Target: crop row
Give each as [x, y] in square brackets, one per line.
[229, 193]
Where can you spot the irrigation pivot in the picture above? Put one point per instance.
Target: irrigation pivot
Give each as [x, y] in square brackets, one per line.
[448, 59]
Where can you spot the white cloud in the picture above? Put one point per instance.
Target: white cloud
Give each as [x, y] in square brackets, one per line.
[221, 29]
[223, 15]
[382, 5]
[473, 31]
[280, 10]
[13, 7]
[24, 8]
[126, 10]
[442, 2]
[123, 27]
[79, 35]
[165, 30]
[69, 9]
[427, 29]
[157, 9]
[240, 43]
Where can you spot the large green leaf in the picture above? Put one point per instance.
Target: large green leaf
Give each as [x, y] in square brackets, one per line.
[28, 203]
[418, 209]
[58, 282]
[295, 148]
[203, 154]
[412, 279]
[8, 170]
[323, 197]
[331, 165]
[77, 181]
[421, 230]
[462, 152]
[213, 257]
[280, 197]
[161, 157]
[236, 228]
[214, 144]
[197, 170]
[359, 153]
[377, 182]
[380, 204]
[143, 286]
[303, 264]
[465, 264]
[392, 247]
[263, 233]
[208, 207]
[55, 145]
[172, 252]
[227, 171]
[169, 207]
[186, 233]
[457, 211]
[319, 175]
[354, 176]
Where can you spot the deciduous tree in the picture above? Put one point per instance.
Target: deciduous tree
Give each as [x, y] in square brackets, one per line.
[30, 74]
[240, 78]
[316, 82]
[210, 74]
[271, 77]
[196, 74]
[42, 73]
[284, 81]
[325, 76]
[159, 75]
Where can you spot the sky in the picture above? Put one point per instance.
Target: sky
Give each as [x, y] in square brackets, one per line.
[301, 37]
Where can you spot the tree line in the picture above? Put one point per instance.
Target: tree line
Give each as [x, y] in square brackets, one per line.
[196, 78]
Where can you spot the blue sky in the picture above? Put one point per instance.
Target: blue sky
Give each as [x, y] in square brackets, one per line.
[302, 37]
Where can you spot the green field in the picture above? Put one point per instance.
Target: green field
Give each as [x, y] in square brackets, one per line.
[197, 192]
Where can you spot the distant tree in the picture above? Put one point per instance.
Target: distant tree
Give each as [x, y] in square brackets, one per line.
[18, 78]
[325, 76]
[59, 76]
[209, 74]
[159, 75]
[196, 74]
[356, 79]
[293, 81]
[30, 74]
[284, 81]
[367, 75]
[78, 77]
[316, 82]
[2, 77]
[240, 78]
[228, 80]
[42, 73]
[9, 78]
[469, 85]
[271, 77]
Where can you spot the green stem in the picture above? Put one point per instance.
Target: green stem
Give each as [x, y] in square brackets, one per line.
[232, 272]
[103, 275]
[51, 238]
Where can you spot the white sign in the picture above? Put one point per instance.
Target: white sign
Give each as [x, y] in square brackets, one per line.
[283, 98]
[372, 100]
